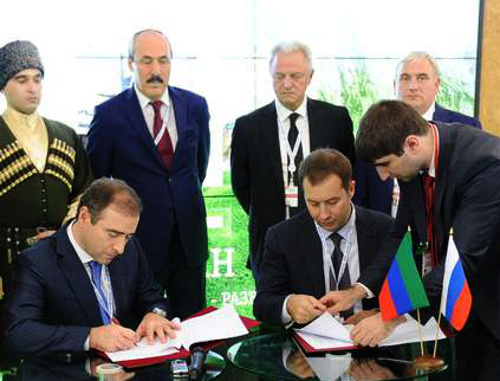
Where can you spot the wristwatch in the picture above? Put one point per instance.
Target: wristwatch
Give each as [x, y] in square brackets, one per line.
[159, 312]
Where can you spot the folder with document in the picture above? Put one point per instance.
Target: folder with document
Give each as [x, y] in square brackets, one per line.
[327, 334]
[210, 326]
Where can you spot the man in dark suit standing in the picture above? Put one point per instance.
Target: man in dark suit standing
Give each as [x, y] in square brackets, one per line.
[449, 178]
[416, 83]
[321, 249]
[71, 289]
[156, 137]
[269, 144]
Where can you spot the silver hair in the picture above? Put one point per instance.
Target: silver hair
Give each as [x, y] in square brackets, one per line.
[292, 47]
[134, 37]
[419, 56]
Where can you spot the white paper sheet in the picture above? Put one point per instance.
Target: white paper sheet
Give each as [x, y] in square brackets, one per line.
[408, 333]
[143, 350]
[330, 367]
[327, 326]
[220, 324]
[326, 332]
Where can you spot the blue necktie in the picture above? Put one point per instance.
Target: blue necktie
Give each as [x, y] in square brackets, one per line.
[101, 298]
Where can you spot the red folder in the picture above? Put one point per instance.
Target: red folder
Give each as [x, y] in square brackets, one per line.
[308, 349]
[249, 323]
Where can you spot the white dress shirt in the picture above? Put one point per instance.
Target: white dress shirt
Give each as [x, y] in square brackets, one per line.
[85, 258]
[167, 114]
[302, 124]
[348, 246]
[429, 114]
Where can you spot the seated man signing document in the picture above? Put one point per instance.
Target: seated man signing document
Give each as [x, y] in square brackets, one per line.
[81, 288]
[320, 250]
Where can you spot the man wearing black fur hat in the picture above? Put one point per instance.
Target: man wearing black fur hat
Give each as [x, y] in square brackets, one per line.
[43, 166]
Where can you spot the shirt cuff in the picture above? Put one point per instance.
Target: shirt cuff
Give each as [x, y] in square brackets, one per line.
[369, 294]
[86, 346]
[286, 319]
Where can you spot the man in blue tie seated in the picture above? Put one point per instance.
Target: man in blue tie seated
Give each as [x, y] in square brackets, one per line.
[81, 288]
[321, 249]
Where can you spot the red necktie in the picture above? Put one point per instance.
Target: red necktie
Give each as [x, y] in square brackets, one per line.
[165, 144]
[429, 190]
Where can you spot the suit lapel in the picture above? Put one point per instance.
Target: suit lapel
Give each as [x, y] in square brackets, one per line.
[136, 118]
[116, 273]
[438, 113]
[77, 278]
[441, 180]
[312, 244]
[364, 232]
[316, 139]
[268, 127]
[181, 122]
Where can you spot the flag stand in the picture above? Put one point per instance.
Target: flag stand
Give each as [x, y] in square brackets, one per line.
[437, 335]
[422, 351]
[426, 361]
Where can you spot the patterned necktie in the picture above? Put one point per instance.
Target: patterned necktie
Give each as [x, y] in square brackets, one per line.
[96, 279]
[293, 133]
[337, 258]
[345, 282]
[164, 146]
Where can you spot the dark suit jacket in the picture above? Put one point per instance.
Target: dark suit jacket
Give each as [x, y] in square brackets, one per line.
[120, 145]
[293, 260]
[444, 115]
[53, 306]
[468, 200]
[372, 192]
[256, 171]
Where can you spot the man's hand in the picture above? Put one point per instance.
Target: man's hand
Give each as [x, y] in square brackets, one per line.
[337, 301]
[153, 325]
[297, 364]
[368, 369]
[372, 330]
[33, 240]
[304, 308]
[363, 314]
[122, 376]
[111, 337]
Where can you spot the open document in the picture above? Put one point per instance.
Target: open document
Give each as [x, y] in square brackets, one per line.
[220, 324]
[327, 334]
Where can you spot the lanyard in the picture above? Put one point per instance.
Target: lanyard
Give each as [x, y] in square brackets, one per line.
[436, 149]
[291, 153]
[163, 127]
[343, 265]
[106, 305]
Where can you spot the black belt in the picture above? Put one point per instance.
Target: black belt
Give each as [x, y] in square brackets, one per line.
[16, 239]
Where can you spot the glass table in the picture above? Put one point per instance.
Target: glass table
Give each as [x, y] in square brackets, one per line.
[277, 356]
[84, 368]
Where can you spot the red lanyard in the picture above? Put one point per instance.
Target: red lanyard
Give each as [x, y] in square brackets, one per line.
[430, 194]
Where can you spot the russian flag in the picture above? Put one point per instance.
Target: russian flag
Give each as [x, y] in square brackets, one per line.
[457, 299]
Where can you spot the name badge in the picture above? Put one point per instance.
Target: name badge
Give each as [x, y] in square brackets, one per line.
[292, 196]
[426, 261]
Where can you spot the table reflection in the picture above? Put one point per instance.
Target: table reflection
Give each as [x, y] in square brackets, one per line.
[277, 356]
